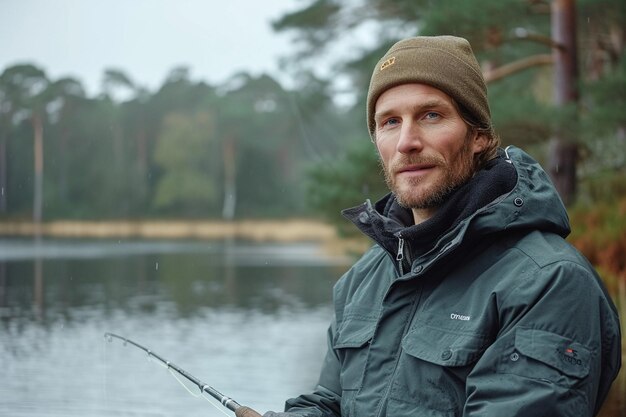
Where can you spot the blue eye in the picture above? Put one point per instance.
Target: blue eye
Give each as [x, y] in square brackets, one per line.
[432, 115]
[391, 122]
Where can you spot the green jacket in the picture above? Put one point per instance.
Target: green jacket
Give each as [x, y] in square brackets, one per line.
[483, 310]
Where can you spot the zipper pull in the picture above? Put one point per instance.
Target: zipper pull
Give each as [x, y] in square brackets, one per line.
[400, 254]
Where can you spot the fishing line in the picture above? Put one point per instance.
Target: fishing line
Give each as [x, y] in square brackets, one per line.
[182, 383]
[196, 395]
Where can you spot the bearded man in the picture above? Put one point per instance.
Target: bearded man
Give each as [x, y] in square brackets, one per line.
[470, 302]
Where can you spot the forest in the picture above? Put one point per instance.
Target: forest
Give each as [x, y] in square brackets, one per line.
[188, 150]
[252, 148]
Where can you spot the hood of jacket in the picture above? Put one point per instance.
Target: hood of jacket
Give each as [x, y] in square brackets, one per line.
[510, 194]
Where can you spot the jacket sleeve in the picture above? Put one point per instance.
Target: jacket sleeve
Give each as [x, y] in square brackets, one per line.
[325, 400]
[557, 351]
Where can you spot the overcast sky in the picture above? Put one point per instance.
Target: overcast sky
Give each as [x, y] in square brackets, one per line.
[144, 38]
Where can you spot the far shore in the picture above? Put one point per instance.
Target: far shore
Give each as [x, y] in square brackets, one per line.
[288, 230]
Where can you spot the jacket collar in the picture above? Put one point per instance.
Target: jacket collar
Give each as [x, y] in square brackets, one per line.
[489, 202]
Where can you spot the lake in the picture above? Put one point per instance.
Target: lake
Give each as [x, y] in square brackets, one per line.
[248, 319]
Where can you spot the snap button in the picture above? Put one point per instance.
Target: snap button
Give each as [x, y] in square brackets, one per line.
[518, 202]
[363, 217]
[514, 356]
[446, 354]
[418, 269]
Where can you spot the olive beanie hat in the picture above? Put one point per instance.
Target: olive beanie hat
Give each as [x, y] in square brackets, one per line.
[444, 62]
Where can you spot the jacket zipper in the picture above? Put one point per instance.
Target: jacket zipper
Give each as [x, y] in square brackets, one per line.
[400, 254]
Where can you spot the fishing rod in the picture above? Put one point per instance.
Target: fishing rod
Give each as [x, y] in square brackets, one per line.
[232, 405]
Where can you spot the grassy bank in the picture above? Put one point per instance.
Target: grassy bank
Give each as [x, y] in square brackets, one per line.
[293, 230]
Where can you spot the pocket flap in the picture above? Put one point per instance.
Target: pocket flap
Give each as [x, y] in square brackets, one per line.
[354, 332]
[443, 347]
[554, 350]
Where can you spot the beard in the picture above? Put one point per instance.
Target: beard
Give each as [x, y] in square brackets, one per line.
[428, 192]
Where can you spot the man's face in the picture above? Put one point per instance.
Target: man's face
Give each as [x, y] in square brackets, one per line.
[425, 147]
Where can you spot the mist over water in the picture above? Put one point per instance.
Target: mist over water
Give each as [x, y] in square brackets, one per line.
[249, 320]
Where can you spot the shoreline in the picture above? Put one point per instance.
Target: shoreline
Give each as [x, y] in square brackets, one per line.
[289, 230]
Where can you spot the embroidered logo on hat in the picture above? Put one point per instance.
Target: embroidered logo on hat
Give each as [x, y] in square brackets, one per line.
[388, 63]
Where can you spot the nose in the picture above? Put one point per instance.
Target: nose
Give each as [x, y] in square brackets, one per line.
[410, 139]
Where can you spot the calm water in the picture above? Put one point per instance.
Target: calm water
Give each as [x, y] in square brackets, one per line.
[248, 320]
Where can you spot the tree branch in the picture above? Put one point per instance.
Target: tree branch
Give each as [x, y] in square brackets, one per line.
[524, 34]
[540, 6]
[517, 66]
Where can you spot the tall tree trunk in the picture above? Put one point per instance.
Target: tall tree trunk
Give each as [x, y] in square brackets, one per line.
[38, 170]
[230, 179]
[3, 173]
[563, 150]
[143, 184]
[63, 177]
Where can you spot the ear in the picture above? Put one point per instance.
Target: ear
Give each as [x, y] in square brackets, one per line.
[479, 142]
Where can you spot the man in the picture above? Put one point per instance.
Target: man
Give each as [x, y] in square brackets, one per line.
[470, 303]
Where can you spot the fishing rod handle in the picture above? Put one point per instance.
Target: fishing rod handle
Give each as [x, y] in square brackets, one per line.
[246, 412]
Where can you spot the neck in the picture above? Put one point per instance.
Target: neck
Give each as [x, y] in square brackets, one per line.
[421, 215]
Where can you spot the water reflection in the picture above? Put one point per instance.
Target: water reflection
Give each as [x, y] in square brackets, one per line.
[249, 320]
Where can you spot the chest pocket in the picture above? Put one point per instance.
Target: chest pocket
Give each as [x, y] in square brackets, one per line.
[351, 343]
[444, 347]
[431, 373]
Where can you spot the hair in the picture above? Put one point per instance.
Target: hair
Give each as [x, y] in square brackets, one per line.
[493, 140]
